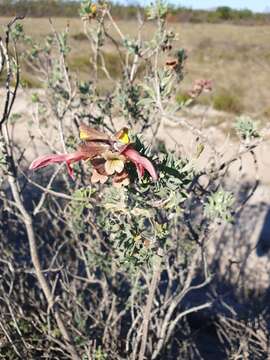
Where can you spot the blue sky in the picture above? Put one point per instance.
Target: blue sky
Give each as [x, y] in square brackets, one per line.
[255, 5]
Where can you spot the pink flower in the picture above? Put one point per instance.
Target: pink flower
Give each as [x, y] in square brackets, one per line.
[200, 86]
[141, 162]
[107, 155]
[86, 151]
[59, 158]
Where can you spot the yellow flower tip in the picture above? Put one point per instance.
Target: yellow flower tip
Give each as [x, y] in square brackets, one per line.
[93, 8]
[83, 134]
[123, 136]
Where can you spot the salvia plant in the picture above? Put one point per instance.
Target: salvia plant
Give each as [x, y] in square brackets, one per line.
[113, 224]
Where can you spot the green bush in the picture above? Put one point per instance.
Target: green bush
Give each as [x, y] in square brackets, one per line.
[224, 100]
[244, 14]
[224, 13]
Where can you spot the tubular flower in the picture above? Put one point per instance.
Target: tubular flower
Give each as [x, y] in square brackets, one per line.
[55, 158]
[108, 156]
[141, 162]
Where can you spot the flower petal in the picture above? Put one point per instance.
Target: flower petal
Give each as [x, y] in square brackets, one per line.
[140, 169]
[141, 162]
[90, 134]
[97, 177]
[46, 160]
[123, 136]
[114, 165]
[99, 165]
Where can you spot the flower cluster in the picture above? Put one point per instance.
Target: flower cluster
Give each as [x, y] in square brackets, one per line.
[107, 154]
[199, 87]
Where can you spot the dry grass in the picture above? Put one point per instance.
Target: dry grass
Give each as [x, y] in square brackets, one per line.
[236, 58]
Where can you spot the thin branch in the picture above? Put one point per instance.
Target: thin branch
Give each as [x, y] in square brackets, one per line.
[148, 307]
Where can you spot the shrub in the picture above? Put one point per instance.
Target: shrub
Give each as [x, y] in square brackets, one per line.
[224, 13]
[244, 14]
[227, 101]
[98, 257]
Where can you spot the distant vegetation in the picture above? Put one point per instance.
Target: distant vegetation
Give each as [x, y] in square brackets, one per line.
[220, 14]
[63, 8]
